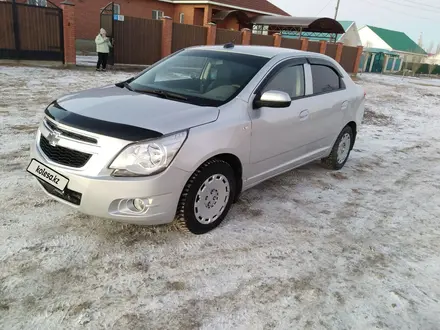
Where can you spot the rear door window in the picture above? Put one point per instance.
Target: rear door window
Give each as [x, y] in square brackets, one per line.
[325, 79]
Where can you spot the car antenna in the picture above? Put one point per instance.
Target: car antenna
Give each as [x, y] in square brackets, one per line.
[230, 44]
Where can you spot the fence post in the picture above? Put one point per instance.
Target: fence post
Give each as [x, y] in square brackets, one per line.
[304, 44]
[246, 36]
[69, 32]
[212, 34]
[339, 50]
[277, 38]
[167, 36]
[323, 46]
[358, 59]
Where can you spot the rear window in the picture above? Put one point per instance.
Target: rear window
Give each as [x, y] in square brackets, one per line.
[325, 79]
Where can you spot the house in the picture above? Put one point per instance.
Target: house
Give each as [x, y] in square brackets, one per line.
[197, 12]
[392, 41]
[433, 59]
[349, 38]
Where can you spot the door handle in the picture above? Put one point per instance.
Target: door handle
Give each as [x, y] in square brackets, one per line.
[304, 115]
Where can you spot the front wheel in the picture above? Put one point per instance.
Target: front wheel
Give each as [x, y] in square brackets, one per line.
[341, 150]
[207, 197]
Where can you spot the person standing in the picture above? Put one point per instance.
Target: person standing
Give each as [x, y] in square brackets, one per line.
[103, 45]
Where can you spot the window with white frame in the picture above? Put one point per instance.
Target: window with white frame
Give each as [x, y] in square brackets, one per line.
[158, 14]
[117, 9]
[261, 29]
[182, 18]
[40, 3]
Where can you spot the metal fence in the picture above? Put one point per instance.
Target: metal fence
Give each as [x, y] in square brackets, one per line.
[314, 46]
[261, 40]
[185, 35]
[348, 58]
[224, 36]
[29, 32]
[137, 41]
[291, 43]
[331, 50]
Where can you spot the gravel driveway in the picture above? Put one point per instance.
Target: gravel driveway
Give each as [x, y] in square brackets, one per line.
[311, 249]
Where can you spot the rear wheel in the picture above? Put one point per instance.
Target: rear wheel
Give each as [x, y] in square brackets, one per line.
[206, 198]
[341, 150]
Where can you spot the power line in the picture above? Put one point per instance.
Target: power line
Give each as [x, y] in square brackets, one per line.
[421, 4]
[412, 6]
[324, 7]
[397, 11]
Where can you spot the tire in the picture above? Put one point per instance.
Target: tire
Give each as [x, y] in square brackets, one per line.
[199, 210]
[338, 157]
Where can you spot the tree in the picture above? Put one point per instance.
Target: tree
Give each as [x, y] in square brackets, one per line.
[420, 43]
[416, 64]
[430, 49]
[431, 64]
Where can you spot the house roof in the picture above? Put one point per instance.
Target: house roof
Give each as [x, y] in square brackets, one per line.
[263, 6]
[318, 37]
[346, 24]
[260, 5]
[397, 40]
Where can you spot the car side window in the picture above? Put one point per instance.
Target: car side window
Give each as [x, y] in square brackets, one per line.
[289, 80]
[325, 79]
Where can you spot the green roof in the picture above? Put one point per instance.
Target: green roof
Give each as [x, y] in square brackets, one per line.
[397, 40]
[346, 24]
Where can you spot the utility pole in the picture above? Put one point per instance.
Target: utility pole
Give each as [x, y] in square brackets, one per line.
[336, 16]
[337, 9]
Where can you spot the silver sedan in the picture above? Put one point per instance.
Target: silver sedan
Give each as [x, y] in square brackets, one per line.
[181, 140]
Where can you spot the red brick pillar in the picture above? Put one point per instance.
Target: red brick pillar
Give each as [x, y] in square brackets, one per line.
[69, 32]
[167, 36]
[339, 51]
[358, 59]
[304, 44]
[212, 34]
[277, 38]
[323, 46]
[246, 36]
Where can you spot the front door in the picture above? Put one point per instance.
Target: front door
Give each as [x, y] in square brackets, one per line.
[278, 134]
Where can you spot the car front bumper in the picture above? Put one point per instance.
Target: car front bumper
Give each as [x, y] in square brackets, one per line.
[108, 197]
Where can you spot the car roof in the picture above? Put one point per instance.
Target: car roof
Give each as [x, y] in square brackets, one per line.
[263, 51]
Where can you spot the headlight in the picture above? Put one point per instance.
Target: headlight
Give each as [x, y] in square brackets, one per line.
[149, 157]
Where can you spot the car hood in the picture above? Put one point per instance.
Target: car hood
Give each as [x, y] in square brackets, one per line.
[121, 106]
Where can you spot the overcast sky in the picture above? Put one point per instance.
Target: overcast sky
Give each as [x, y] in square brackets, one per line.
[409, 16]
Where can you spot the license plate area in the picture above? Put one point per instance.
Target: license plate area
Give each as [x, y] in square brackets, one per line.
[48, 175]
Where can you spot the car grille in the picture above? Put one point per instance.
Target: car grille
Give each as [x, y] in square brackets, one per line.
[67, 194]
[71, 135]
[64, 156]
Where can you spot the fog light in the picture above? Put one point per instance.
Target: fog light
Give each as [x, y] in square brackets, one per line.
[139, 204]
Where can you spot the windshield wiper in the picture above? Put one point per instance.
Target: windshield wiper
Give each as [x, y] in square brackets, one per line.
[124, 84]
[164, 94]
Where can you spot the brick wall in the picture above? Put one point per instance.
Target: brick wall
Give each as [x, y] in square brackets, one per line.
[88, 12]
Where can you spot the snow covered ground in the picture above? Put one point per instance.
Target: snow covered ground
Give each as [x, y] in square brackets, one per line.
[312, 249]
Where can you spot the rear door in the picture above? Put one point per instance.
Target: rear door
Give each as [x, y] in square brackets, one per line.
[328, 103]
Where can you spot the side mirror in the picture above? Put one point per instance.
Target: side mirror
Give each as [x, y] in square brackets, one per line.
[273, 99]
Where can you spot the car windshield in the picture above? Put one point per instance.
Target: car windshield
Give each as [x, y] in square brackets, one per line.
[201, 77]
